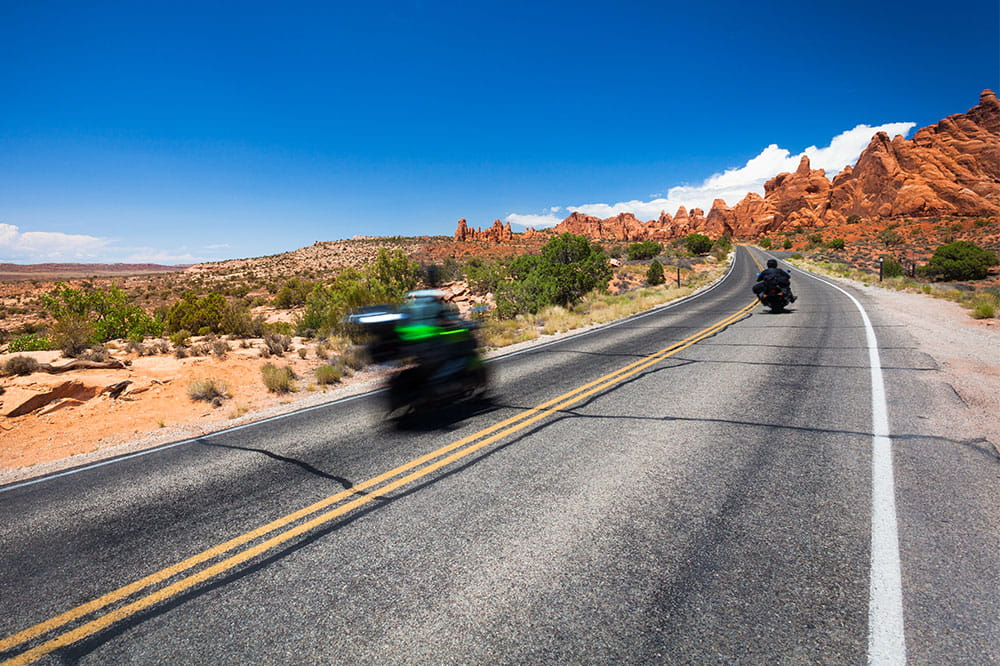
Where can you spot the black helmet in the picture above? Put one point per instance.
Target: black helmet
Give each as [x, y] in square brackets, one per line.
[772, 263]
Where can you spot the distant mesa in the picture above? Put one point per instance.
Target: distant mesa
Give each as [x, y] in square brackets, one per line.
[950, 168]
[54, 271]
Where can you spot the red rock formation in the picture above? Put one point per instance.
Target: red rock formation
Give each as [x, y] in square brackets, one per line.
[951, 168]
[721, 220]
[498, 233]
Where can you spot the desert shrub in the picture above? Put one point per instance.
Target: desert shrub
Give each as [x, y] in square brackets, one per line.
[277, 344]
[982, 309]
[787, 244]
[644, 250]
[568, 267]
[293, 293]
[278, 380]
[765, 243]
[107, 313]
[20, 365]
[181, 352]
[276, 327]
[891, 267]
[137, 348]
[961, 260]
[836, 244]
[72, 334]
[328, 374]
[890, 237]
[981, 223]
[391, 275]
[180, 338]
[697, 243]
[97, 353]
[207, 389]
[854, 219]
[30, 342]
[654, 275]
[220, 348]
[211, 314]
[484, 276]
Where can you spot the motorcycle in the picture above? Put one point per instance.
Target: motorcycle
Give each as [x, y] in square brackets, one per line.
[774, 297]
[437, 351]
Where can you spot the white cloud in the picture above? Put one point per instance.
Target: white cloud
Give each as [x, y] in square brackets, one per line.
[733, 184]
[536, 221]
[37, 247]
[48, 246]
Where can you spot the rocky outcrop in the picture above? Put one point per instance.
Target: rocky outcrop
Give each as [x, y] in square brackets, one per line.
[497, 233]
[72, 389]
[951, 168]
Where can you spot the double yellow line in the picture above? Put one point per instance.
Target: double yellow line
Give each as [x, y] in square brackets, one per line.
[380, 485]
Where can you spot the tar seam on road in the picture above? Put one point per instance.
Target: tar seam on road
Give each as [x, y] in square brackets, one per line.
[886, 640]
[441, 458]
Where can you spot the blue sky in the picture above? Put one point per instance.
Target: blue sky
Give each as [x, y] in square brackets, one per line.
[181, 132]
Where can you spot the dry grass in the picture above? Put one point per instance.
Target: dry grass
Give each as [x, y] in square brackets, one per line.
[207, 389]
[278, 380]
[982, 304]
[595, 308]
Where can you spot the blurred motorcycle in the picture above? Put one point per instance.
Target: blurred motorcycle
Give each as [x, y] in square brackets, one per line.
[438, 352]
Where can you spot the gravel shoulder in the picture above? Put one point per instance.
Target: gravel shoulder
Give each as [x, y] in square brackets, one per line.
[966, 352]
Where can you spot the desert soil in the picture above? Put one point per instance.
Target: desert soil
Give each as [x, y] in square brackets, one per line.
[156, 408]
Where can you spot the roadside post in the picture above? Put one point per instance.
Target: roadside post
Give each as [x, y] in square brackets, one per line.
[880, 260]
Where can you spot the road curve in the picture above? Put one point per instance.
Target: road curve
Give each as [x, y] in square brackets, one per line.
[690, 485]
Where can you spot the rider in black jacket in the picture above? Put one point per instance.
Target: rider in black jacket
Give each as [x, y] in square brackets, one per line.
[773, 274]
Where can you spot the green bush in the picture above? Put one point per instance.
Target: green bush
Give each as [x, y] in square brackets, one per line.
[568, 268]
[484, 276]
[836, 244]
[961, 260]
[386, 281]
[853, 219]
[697, 243]
[984, 310]
[891, 267]
[278, 380]
[211, 313]
[327, 374]
[20, 365]
[787, 244]
[99, 314]
[644, 250]
[30, 342]
[293, 293]
[181, 338]
[765, 243]
[654, 275]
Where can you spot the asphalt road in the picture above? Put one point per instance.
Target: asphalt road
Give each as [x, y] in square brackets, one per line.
[710, 503]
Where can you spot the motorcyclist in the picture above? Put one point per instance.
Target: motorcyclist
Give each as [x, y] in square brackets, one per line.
[772, 275]
[432, 331]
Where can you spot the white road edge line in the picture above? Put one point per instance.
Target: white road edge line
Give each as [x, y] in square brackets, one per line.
[886, 641]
